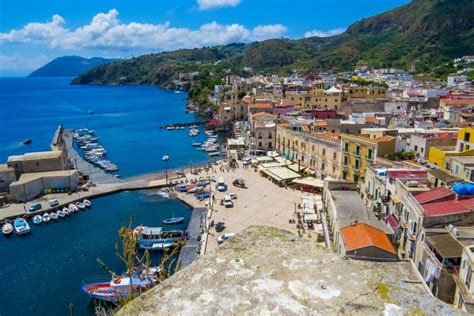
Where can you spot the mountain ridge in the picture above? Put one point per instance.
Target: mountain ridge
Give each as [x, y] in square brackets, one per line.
[69, 66]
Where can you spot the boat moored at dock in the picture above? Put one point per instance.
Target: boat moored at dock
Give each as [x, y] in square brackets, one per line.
[46, 217]
[37, 219]
[7, 229]
[87, 203]
[21, 226]
[173, 220]
[150, 237]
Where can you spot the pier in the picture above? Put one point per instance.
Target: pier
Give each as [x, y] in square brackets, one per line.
[191, 250]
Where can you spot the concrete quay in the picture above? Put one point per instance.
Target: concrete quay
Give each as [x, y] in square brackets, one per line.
[196, 226]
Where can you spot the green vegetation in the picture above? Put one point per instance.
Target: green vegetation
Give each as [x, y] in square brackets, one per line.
[400, 155]
[423, 36]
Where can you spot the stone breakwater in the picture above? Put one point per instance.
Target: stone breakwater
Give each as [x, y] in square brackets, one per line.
[266, 270]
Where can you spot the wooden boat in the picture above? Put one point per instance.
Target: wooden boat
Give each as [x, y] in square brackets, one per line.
[156, 235]
[54, 216]
[61, 213]
[87, 203]
[46, 217]
[66, 211]
[7, 229]
[21, 226]
[73, 208]
[37, 219]
[173, 220]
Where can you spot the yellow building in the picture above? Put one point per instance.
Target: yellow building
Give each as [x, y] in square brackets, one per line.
[464, 148]
[315, 98]
[367, 93]
[358, 151]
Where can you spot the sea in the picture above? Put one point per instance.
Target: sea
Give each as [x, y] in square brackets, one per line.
[42, 273]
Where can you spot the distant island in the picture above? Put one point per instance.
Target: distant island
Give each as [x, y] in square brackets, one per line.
[69, 66]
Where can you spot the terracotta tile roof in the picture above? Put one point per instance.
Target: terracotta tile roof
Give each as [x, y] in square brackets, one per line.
[466, 101]
[330, 136]
[261, 105]
[445, 208]
[261, 115]
[407, 173]
[246, 100]
[371, 120]
[306, 128]
[362, 235]
[284, 124]
[433, 195]
[385, 138]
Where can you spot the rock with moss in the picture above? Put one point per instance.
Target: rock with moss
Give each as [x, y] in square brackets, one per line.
[269, 271]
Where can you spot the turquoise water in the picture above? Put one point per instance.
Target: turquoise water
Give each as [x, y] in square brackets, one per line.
[125, 119]
[41, 273]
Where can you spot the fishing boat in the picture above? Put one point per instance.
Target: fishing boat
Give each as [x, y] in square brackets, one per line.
[61, 213]
[212, 154]
[197, 144]
[26, 141]
[21, 226]
[46, 217]
[7, 229]
[54, 216]
[80, 205]
[37, 219]
[113, 289]
[173, 220]
[72, 207]
[165, 158]
[148, 236]
[159, 246]
[66, 211]
[87, 203]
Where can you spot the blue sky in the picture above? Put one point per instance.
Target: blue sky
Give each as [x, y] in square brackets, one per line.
[32, 32]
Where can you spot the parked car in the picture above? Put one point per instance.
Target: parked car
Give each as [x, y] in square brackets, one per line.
[202, 195]
[221, 186]
[240, 183]
[246, 161]
[228, 201]
[232, 195]
[225, 237]
[35, 207]
[220, 227]
[53, 202]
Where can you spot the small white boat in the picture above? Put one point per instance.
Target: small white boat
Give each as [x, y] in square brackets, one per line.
[61, 213]
[67, 211]
[46, 217]
[166, 158]
[73, 208]
[87, 203]
[21, 226]
[7, 229]
[54, 216]
[37, 219]
[212, 154]
[80, 205]
[197, 144]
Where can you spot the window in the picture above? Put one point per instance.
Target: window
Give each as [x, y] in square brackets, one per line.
[334, 156]
[357, 164]
[356, 178]
[324, 152]
[467, 136]
[416, 147]
[468, 278]
[345, 160]
[322, 166]
[259, 144]
[357, 151]
[369, 154]
[346, 147]
[344, 175]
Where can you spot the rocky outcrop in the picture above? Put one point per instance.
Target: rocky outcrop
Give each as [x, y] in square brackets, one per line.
[270, 271]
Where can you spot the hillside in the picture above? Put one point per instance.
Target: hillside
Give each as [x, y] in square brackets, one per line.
[69, 66]
[266, 271]
[424, 35]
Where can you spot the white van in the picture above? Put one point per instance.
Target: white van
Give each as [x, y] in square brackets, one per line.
[53, 202]
[221, 186]
[228, 201]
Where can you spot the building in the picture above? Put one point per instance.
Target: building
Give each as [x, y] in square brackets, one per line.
[318, 153]
[464, 147]
[420, 143]
[38, 162]
[359, 151]
[7, 176]
[32, 185]
[365, 93]
[364, 242]
[464, 295]
[462, 167]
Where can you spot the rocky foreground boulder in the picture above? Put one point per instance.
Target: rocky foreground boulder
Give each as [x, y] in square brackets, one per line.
[269, 271]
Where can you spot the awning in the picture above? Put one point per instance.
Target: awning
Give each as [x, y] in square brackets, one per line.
[281, 174]
[227, 108]
[294, 167]
[393, 222]
[309, 181]
[395, 198]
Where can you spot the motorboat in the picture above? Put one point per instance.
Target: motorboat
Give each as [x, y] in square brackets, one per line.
[194, 189]
[148, 236]
[61, 213]
[212, 154]
[37, 219]
[7, 229]
[72, 207]
[66, 211]
[116, 288]
[21, 226]
[80, 205]
[197, 144]
[159, 246]
[173, 220]
[46, 217]
[54, 216]
[26, 141]
[166, 158]
[87, 203]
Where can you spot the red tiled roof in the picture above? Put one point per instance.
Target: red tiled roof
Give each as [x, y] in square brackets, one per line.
[362, 235]
[433, 195]
[445, 208]
[418, 174]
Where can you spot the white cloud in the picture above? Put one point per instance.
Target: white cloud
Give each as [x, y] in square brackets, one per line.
[106, 31]
[18, 64]
[320, 33]
[212, 4]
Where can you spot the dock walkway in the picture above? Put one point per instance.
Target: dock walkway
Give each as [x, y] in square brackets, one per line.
[190, 251]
